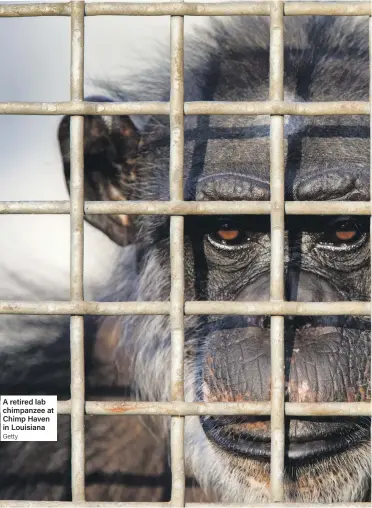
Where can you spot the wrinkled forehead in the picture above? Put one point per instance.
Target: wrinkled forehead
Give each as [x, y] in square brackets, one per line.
[238, 147]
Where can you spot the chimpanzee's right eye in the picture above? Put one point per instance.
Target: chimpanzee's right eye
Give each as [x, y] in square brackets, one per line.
[228, 233]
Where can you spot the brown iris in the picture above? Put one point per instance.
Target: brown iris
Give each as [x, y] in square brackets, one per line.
[228, 235]
[346, 236]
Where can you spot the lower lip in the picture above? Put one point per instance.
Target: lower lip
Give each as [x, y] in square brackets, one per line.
[295, 451]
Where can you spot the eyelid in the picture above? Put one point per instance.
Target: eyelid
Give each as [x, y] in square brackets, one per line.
[343, 223]
[343, 246]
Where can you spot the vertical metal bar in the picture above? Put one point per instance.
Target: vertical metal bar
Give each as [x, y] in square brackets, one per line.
[77, 254]
[177, 256]
[277, 250]
[370, 180]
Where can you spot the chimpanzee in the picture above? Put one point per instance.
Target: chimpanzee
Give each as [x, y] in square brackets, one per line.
[227, 358]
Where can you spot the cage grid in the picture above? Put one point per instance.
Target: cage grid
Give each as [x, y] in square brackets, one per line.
[176, 208]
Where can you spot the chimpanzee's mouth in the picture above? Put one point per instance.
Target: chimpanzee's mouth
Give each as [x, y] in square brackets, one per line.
[297, 451]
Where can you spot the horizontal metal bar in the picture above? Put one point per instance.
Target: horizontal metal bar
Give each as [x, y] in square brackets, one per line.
[109, 504]
[84, 108]
[227, 207]
[225, 408]
[195, 308]
[179, 9]
[277, 108]
[64, 407]
[188, 207]
[304, 8]
[190, 108]
[188, 9]
[35, 207]
[83, 308]
[328, 409]
[228, 9]
[177, 408]
[34, 10]
[278, 308]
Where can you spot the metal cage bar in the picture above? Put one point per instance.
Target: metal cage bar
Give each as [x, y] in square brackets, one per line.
[370, 181]
[225, 408]
[190, 108]
[277, 252]
[176, 163]
[68, 504]
[217, 408]
[190, 9]
[176, 308]
[193, 308]
[77, 255]
[188, 207]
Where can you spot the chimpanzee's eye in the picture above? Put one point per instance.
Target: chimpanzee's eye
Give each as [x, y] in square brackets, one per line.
[342, 232]
[228, 233]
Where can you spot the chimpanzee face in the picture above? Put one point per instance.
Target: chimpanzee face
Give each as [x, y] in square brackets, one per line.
[327, 258]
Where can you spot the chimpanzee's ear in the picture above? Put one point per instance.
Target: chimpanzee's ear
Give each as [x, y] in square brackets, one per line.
[110, 151]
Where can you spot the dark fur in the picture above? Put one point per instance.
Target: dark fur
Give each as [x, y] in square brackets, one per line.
[226, 157]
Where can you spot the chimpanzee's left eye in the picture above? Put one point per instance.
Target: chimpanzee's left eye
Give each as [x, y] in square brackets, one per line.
[342, 232]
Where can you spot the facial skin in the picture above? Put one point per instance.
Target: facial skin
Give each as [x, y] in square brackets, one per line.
[228, 258]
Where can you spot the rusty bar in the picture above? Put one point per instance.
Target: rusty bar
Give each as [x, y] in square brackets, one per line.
[192, 308]
[277, 251]
[188, 9]
[77, 254]
[188, 207]
[217, 408]
[190, 108]
[176, 163]
[222, 408]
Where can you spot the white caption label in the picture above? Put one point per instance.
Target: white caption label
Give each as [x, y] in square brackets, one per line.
[28, 418]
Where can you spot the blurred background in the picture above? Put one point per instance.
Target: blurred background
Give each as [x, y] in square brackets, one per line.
[35, 59]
